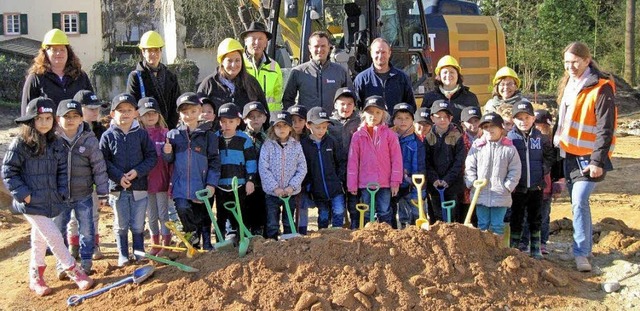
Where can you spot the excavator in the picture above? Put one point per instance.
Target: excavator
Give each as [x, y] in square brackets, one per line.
[420, 33]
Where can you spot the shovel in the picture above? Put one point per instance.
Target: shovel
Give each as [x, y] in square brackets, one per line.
[478, 184]
[234, 208]
[204, 195]
[362, 208]
[294, 233]
[178, 265]
[191, 251]
[447, 206]
[422, 222]
[372, 188]
[176, 248]
[139, 275]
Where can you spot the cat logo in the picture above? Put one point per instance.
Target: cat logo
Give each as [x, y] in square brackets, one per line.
[488, 117]
[444, 105]
[253, 106]
[223, 110]
[295, 109]
[71, 105]
[282, 115]
[148, 105]
[424, 114]
[94, 97]
[123, 98]
[322, 114]
[522, 106]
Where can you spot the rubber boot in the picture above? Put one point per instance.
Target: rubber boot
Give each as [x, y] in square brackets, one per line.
[138, 245]
[81, 279]
[206, 238]
[74, 246]
[123, 249]
[302, 230]
[506, 242]
[155, 250]
[36, 281]
[534, 243]
[515, 240]
[97, 252]
[166, 241]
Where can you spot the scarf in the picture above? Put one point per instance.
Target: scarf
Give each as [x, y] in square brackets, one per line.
[449, 94]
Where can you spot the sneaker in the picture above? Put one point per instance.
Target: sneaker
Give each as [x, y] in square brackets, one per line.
[231, 235]
[122, 262]
[543, 249]
[192, 237]
[61, 273]
[523, 247]
[97, 253]
[81, 279]
[582, 264]
[36, 281]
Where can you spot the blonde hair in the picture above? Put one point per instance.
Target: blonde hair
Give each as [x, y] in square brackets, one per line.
[385, 119]
[581, 50]
[161, 121]
[271, 133]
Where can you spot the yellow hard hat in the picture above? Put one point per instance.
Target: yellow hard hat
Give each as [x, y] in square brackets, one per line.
[55, 36]
[151, 40]
[506, 72]
[227, 46]
[448, 60]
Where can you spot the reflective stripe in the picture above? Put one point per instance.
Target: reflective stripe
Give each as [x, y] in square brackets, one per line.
[583, 127]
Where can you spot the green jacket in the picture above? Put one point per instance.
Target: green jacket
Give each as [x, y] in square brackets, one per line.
[269, 76]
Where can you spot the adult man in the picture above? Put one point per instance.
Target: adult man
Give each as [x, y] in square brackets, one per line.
[383, 79]
[260, 66]
[316, 81]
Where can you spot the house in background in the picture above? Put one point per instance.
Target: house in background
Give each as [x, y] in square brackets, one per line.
[24, 23]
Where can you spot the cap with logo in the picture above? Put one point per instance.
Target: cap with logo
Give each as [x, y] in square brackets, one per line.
[345, 91]
[470, 112]
[492, 118]
[35, 107]
[229, 111]
[543, 116]
[87, 99]
[123, 98]
[280, 116]
[204, 99]
[402, 107]
[317, 115]
[253, 106]
[147, 104]
[298, 110]
[375, 101]
[422, 115]
[441, 105]
[188, 98]
[522, 105]
[67, 105]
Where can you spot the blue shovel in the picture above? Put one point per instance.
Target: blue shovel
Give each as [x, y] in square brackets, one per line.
[139, 275]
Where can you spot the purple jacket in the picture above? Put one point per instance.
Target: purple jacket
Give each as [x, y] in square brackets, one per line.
[159, 176]
[374, 159]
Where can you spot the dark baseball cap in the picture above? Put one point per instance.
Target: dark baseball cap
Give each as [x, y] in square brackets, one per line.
[280, 116]
[87, 99]
[298, 110]
[229, 111]
[543, 116]
[493, 118]
[522, 105]
[402, 107]
[317, 115]
[67, 105]
[147, 104]
[345, 91]
[253, 106]
[422, 115]
[441, 105]
[35, 107]
[375, 101]
[204, 99]
[470, 112]
[123, 98]
[188, 98]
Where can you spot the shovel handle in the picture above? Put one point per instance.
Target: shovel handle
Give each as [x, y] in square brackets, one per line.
[292, 224]
[373, 187]
[418, 180]
[203, 195]
[178, 265]
[362, 208]
[75, 300]
[478, 184]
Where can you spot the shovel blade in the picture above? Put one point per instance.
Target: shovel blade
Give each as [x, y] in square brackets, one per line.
[224, 246]
[422, 224]
[243, 247]
[290, 236]
[178, 265]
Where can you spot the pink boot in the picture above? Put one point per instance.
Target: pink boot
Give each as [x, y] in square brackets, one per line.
[166, 241]
[78, 275]
[155, 239]
[36, 281]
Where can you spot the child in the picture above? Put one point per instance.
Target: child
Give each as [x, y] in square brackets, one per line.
[34, 170]
[208, 111]
[345, 121]
[238, 159]
[375, 156]
[193, 150]
[299, 121]
[153, 122]
[470, 121]
[130, 156]
[422, 122]
[536, 155]
[445, 156]
[282, 169]
[325, 165]
[86, 168]
[505, 111]
[494, 158]
[255, 115]
[413, 162]
[303, 202]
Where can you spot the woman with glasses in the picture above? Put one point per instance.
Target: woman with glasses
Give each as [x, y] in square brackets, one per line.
[506, 89]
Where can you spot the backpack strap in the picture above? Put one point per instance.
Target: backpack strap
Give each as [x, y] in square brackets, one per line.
[142, 91]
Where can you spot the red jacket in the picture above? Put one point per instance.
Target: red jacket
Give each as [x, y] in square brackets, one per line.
[159, 176]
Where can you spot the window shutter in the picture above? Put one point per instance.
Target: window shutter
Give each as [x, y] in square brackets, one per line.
[24, 25]
[55, 18]
[1, 24]
[83, 23]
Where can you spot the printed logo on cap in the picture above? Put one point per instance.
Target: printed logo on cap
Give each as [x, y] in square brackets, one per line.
[253, 106]
[322, 114]
[93, 97]
[489, 117]
[403, 107]
[472, 111]
[148, 105]
[282, 115]
[295, 109]
[424, 114]
[45, 110]
[522, 106]
[443, 105]
[71, 105]
[224, 110]
[123, 97]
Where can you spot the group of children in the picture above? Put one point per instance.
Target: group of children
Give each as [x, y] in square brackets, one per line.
[319, 159]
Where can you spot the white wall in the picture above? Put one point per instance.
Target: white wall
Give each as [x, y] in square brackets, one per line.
[205, 59]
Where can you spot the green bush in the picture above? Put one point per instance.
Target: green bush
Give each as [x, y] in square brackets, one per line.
[13, 75]
[187, 72]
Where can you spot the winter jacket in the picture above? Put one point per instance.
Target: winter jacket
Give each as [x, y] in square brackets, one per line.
[326, 167]
[374, 159]
[461, 99]
[345, 128]
[163, 87]
[258, 139]
[282, 166]
[396, 89]
[445, 156]
[269, 75]
[315, 84]
[159, 177]
[221, 94]
[124, 152]
[97, 128]
[497, 162]
[413, 158]
[44, 178]
[536, 157]
[196, 160]
[49, 85]
[86, 164]
[237, 159]
[495, 102]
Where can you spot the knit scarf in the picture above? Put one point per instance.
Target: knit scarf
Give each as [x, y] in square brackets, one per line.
[448, 94]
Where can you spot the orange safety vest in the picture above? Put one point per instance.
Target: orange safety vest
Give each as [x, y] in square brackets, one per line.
[579, 137]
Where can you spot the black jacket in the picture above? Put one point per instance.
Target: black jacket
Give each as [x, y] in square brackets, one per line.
[221, 94]
[445, 157]
[325, 166]
[166, 99]
[460, 99]
[48, 85]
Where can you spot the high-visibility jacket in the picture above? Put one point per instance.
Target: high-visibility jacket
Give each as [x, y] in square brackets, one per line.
[580, 136]
[269, 76]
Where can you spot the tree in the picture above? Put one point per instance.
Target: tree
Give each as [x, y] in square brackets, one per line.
[108, 29]
[629, 43]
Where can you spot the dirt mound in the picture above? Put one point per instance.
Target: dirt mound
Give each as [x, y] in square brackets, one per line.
[609, 236]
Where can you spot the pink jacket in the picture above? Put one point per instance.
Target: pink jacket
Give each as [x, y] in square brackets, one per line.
[374, 159]
[159, 177]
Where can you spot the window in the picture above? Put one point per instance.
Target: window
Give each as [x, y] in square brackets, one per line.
[70, 22]
[12, 24]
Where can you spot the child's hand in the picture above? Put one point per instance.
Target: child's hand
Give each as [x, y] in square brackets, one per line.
[167, 148]
[440, 184]
[394, 191]
[279, 192]
[131, 175]
[354, 192]
[249, 187]
[212, 190]
[124, 182]
[288, 191]
[27, 199]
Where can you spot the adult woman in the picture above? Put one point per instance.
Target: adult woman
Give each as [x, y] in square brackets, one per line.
[56, 72]
[585, 135]
[506, 89]
[153, 79]
[231, 83]
[448, 81]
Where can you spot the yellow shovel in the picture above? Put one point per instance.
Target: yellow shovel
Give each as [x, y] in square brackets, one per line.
[422, 222]
[191, 251]
[362, 208]
[478, 184]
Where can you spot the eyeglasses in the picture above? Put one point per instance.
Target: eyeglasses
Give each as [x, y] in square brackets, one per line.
[506, 84]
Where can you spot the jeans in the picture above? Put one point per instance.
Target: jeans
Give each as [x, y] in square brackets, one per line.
[531, 202]
[582, 227]
[158, 213]
[336, 206]
[274, 215]
[129, 214]
[491, 218]
[544, 235]
[83, 210]
[382, 202]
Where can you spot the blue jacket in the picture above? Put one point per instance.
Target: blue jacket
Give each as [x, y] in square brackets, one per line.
[237, 159]
[536, 157]
[44, 178]
[195, 158]
[397, 89]
[445, 157]
[124, 152]
[413, 158]
[326, 165]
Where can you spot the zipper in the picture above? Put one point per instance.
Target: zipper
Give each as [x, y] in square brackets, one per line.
[188, 164]
[283, 156]
[526, 144]
[324, 180]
